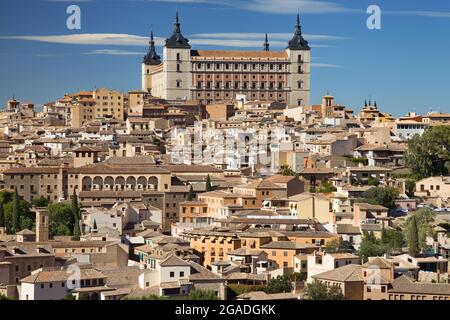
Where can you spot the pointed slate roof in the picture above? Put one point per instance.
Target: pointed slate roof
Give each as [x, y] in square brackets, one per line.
[177, 41]
[298, 42]
[152, 58]
[266, 44]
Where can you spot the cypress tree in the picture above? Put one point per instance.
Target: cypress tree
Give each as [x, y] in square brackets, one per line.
[208, 184]
[384, 236]
[2, 215]
[413, 237]
[74, 206]
[75, 216]
[95, 225]
[15, 213]
[190, 196]
[76, 231]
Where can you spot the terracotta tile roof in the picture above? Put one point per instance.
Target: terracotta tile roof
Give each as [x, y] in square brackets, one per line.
[190, 168]
[317, 171]
[404, 284]
[278, 178]
[368, 206]
[240, 54]
[61, 275]
[344, 255]
[26, 232]
[348, 273]
[264, 184]
[377, 262]
[105, 168]
[369, 168]
[199, 273]
[32, 170]
[245, 252]
[173, 261]
[286, 245]
[347, 229]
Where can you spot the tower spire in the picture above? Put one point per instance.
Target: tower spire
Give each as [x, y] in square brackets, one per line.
[298, 42]
[177, 40]
[176, 25]
[152, 57]
[266, 44]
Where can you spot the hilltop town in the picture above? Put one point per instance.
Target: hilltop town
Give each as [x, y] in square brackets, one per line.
[219, 179]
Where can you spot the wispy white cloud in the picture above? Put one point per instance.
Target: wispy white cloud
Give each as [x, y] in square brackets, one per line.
[135, 40]
[325, 65]
[292, 6]
[272, 36]
[427, 14]
[274, 6]
[88, 39]
[114, 52]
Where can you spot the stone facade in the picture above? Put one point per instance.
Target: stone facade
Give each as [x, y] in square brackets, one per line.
[216, 75]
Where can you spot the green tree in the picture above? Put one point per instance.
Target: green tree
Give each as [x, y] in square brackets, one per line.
[384, 237]
[316, 291]
[26, 218]
[320, 291]
[424, 221]
[413, 245]
[95, 225]
[369, 247]
[335, 293]
[74, 206]
[337, 245]
[327, 187]
[41, 202]
[196, 294]
[279, 284]
[5, 196]
[190, 195]
[208, 183]
[429, 154]
[410, 187]
[287, 171]
[76, 231]
[2, 215]
[69, 297]
[15, 212]
[75, 210]
[4, 298]
[391, 240]
[362, 160]
[60, 219]
[373, 181]
[383, 196]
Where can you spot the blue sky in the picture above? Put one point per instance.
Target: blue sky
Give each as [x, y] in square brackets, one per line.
[404, 66]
